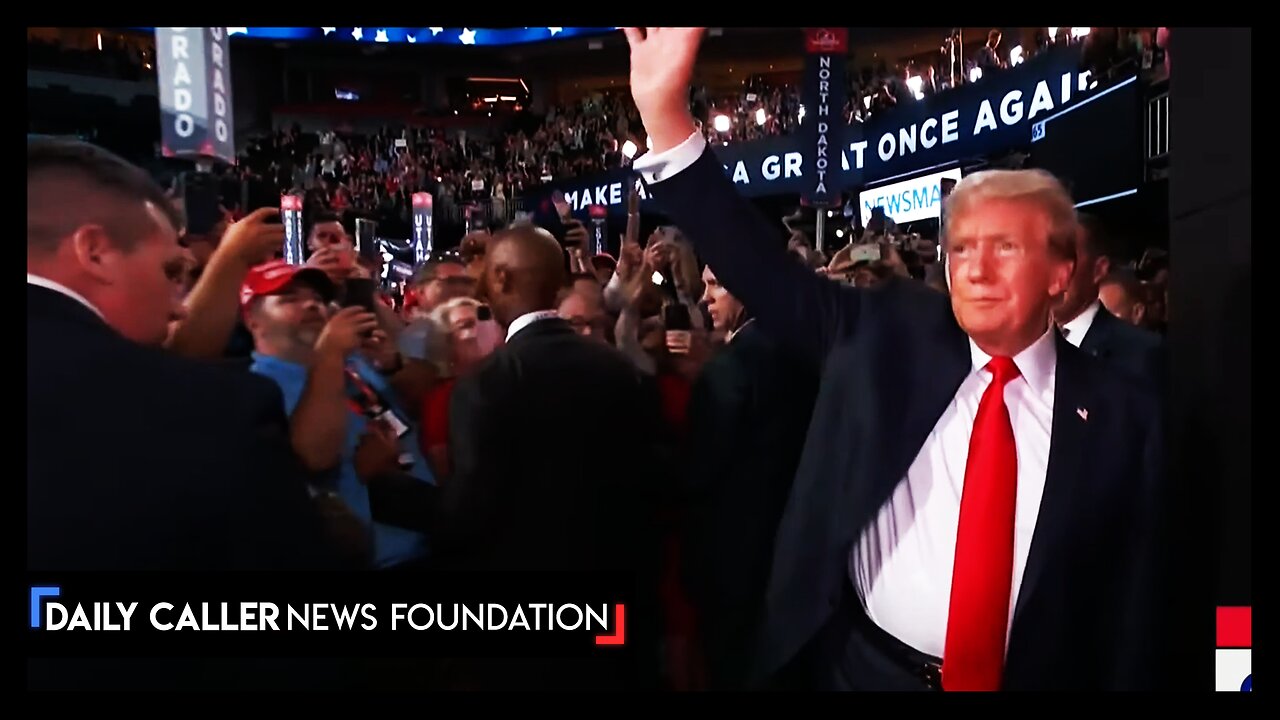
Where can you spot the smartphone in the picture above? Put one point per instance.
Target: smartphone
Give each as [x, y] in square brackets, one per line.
[360, 293]
[869, 251]
[675, 316]
[366, 239]
[200, 197]
[548, 218]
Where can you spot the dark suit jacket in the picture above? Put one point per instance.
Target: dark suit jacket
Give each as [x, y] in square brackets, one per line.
[552, 446]
[1131, 349]
[894, 357]
[141, 460]
[748, 416]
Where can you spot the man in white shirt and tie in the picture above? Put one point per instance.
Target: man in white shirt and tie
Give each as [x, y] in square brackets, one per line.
[1086, 323]
[979, 504]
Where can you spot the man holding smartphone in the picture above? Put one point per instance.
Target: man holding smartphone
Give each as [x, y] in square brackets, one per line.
[346, 424]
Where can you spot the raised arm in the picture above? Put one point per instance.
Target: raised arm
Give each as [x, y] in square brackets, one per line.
[685, 177]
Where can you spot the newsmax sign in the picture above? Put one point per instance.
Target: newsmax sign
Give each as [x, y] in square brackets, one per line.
[907, 201]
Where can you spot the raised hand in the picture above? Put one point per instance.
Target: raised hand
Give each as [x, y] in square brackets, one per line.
[661, 67]
[254, 239]
[346, 331]
[630, 257]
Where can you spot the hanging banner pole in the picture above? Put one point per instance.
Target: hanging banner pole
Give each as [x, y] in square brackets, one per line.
[823, 123]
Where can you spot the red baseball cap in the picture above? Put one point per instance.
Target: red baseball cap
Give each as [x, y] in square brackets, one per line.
[272, 277]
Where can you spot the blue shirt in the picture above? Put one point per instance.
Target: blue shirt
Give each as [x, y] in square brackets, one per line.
[391, 545]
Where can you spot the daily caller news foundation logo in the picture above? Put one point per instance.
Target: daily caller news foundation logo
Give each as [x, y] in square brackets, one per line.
[52, 611]
[1233, 663]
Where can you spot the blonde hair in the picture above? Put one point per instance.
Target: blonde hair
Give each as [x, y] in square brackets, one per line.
[438, 350]
[1036, 187]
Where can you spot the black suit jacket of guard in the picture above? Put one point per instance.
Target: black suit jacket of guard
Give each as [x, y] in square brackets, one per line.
[748, 416]
[551, 440]
[1089, 609]
[1133, 350]
[138, 459]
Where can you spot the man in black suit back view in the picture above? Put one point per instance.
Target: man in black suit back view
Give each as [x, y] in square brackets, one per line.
[539, 482]
[139, 459]
[1086, 323]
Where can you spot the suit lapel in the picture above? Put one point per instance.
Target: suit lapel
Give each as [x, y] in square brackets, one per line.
[1068, 442]
[944, 365]
[1095, 341]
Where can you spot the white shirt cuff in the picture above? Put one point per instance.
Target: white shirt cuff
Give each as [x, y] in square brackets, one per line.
[656, 167]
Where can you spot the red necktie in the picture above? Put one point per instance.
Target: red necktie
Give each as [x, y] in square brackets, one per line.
[978, 616]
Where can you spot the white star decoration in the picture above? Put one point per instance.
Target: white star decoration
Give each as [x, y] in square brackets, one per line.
[436, 31]
[381, 36]
[554, 30]
[238, 31]
[358, 33]
[328, 31]
[468, 36]
[412, 39]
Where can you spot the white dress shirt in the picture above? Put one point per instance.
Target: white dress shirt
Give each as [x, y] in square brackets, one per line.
[57, 287]
[656, 167]
[902, 564]
[1075, 330]
[528, 319]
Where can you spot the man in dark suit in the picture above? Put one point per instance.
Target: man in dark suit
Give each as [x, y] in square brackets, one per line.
[551, 439]
[979, 505]
[748, 415]
[139, 459]
[1085, 323]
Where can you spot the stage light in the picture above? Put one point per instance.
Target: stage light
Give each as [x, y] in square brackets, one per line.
[914, 83]
[760, 116]
[629, 149]
[722, 123]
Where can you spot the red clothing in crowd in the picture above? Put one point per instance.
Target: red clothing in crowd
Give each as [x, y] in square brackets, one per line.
[435, 425]
[684, 667]
[674, 391]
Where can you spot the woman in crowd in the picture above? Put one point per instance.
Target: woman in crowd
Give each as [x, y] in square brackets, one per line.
[462, 347]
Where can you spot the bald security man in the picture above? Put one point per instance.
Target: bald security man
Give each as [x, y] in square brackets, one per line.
[552, 440]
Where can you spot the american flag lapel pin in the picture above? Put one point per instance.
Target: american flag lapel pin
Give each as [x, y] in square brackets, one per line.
[1084, 414]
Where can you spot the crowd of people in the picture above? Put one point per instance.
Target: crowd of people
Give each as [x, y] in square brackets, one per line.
[810, 467]
[494, 170]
